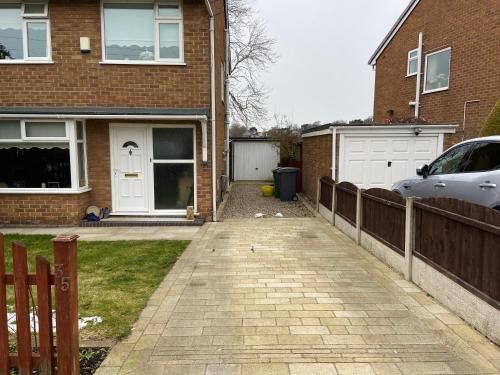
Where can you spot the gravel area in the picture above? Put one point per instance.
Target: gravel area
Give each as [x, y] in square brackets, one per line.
[246, 200]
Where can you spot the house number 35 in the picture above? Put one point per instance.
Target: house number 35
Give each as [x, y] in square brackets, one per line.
[60, 275]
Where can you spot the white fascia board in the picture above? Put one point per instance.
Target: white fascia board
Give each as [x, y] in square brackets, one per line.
[402, 19]
[106, 117]
[396, 129]
[318, 133]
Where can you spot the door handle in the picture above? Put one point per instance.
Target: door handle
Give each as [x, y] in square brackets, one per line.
[487, 185]
[440, 185]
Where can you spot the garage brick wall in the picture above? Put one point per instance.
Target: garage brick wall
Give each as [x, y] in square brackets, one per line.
[316, 162]
[470, 28]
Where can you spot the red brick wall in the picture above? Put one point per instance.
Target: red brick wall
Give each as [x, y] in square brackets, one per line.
[316, 162]
[79, 80]
[470, 28]
[43, 209]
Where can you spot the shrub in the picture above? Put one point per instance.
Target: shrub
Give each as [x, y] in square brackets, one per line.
[492, 124]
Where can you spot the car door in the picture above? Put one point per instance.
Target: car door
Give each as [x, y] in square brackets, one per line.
[478, 181]
[440, 172]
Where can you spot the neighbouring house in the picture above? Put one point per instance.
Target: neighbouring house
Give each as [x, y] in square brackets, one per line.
[118, 104]
[440, 61]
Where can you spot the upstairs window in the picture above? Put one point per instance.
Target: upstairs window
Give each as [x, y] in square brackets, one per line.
[24, 32]
[412, 66]
[156, 35]
[437, 71]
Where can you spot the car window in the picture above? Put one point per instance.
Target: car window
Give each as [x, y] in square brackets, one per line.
[484, 157]
[451, 162]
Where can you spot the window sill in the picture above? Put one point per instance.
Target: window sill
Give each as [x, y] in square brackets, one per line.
[435, 90]
[22, 62]
[142, 63]
[44, 191]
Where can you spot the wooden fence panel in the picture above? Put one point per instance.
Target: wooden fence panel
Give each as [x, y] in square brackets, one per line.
[461, 240]
[383, 217]
[44, 299]
[24, 349]
[4, 329]
[326, 192]
[345, 201]
[66, 304]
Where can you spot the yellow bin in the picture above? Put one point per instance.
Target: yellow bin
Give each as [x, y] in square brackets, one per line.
[267, 190]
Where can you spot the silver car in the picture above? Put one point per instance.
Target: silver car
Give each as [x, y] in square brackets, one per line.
[469, 170]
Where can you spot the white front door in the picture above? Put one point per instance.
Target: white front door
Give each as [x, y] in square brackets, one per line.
[379, 161]
[129, 169]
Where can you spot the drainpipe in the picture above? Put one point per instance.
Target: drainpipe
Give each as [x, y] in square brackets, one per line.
[227, 98]
[419, 74]
[212, 109]
[334, 152]
[465, 116]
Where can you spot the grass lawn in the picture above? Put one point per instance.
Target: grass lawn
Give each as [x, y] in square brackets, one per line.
[115, 278]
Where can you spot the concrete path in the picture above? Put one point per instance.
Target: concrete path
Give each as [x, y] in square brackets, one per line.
[114, 233]
[306, 300]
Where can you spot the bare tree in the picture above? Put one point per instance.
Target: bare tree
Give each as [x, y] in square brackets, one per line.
[288, 135]
[252, 52]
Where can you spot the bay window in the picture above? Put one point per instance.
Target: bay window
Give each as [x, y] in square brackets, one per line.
[24, 32]
[143, 32]
[42, 155]
[437, 71]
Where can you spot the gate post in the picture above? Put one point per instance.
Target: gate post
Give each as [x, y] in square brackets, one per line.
[334, 202]
[318, 194]
[66, 287]
[409, 237]
[359, 214]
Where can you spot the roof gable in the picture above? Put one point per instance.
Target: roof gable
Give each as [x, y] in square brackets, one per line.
[401, 20]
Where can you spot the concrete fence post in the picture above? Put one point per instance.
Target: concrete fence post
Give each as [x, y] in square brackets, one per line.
[334, 202]
[359, 214]
[409, 237]
[318, 194]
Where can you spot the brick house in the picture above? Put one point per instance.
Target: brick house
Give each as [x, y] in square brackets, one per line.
[118, 104]
[451, 76]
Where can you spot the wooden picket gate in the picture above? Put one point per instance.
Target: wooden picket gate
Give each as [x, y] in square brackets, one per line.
[45, 358]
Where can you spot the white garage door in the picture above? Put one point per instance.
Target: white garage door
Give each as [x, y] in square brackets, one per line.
[254, 161]
[379, 161]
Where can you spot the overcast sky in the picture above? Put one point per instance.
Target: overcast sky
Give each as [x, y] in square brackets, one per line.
[324, 47]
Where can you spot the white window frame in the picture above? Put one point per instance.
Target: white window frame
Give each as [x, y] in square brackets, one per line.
[85, 163]
[158, 20]
[425, 72]
[411, 59]
[35, 15]
[71, 140]
[223, 82]
[33, 18]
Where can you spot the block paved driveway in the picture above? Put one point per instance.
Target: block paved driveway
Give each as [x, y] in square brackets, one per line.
[307, 300]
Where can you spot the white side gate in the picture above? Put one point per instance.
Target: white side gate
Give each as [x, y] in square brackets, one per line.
[254, 160]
